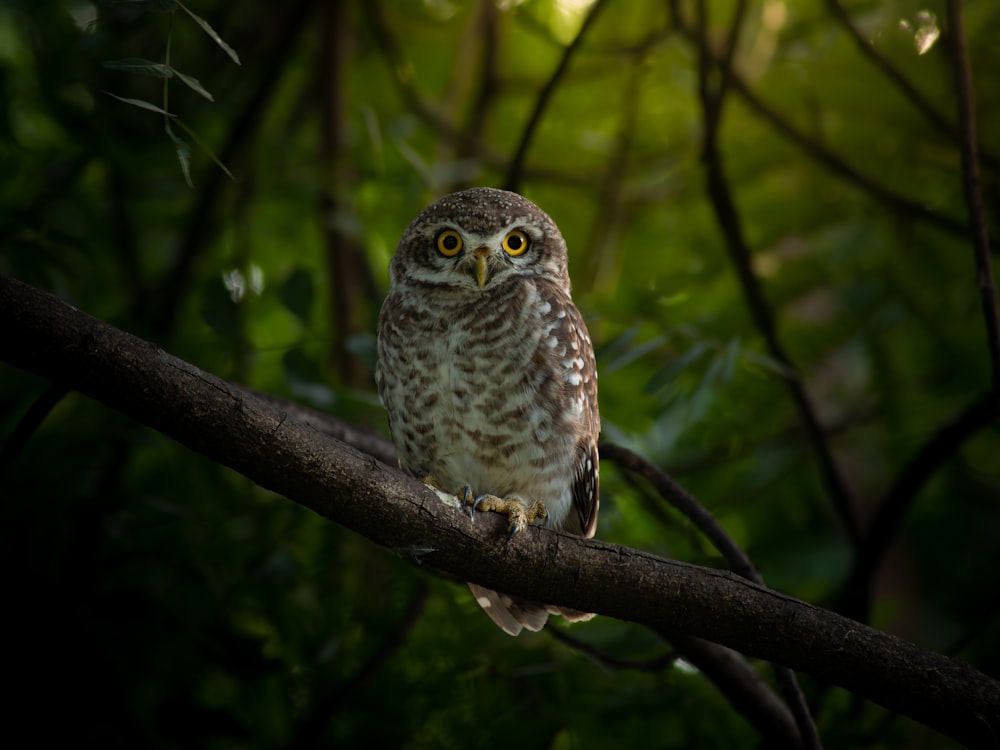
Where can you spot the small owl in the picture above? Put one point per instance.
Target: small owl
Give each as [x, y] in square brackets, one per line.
[487, 372]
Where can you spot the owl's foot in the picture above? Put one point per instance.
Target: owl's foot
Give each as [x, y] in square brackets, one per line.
[519, 515]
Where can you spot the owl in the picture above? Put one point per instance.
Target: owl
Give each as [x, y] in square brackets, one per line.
[487, 372]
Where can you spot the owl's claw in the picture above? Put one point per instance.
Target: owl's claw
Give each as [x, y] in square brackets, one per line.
[470, 500]
[520, 517]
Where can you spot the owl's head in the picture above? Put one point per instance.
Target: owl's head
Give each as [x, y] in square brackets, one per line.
[478, 239]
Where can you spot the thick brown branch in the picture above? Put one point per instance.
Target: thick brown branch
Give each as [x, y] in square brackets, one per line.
[43, 335]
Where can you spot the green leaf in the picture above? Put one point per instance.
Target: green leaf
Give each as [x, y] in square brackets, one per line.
[194, 84]
[140, 66]
[768, 363]
[204, 147]
[212, 33]
[666, 374]
[152, 6]
[142, 104]
[183, 153]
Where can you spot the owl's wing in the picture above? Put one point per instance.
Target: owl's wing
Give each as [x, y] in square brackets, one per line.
[586, 486]
[581, 381]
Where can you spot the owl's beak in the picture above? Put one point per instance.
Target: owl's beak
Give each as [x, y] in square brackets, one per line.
[482, 254]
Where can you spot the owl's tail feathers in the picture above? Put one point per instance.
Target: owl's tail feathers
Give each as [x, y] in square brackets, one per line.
[512, 614]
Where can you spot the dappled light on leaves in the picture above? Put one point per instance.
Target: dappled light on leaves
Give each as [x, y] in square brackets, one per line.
[924, 28]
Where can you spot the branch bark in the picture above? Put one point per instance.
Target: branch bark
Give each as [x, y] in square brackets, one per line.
[48, 337]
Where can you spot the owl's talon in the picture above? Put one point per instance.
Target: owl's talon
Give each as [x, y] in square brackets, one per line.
[470, 501]
[520, 516]
[515, 526]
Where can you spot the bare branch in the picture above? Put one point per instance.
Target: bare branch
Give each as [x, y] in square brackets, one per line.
[816, 151]
[896, 77]
[730, 225]
[972, 185]
[310, 728]
[855, 600]
[610, 661]
[689, 507]
[515, 171]
[743, 687]
[30, 422]
[45, 336]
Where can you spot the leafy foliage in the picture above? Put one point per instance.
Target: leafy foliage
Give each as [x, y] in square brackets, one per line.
[160, 600]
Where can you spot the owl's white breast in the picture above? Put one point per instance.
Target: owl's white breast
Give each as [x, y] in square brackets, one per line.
[477, 396]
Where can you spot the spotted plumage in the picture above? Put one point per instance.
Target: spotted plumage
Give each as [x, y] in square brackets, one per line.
[487, 371]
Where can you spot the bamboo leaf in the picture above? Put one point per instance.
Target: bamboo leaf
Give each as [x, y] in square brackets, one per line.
[668, 373]
[183, 153]
[212, 33]
[194, 84]
[140, 66]
[153, 6]
[142, 104]
[204, 147]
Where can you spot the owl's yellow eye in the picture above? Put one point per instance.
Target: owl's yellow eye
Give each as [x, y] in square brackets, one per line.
[515, 243]
[449, 242]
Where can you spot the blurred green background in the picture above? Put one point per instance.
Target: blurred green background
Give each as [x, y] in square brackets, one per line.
[155, 599]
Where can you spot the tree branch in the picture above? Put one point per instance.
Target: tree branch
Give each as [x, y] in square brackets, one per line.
[45, 336]
[973, 193]
[855, 600]
[30, 422]
[817, 152]
[310, 729]
[867, 49]
[515, 172]
[731, 228]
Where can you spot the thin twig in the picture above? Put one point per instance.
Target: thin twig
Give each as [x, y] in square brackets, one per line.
[896, 77]
[688, 506]
[739, 563]
[730, 225]
[712, 99]
[745, 689]
[515, 171]
[973, 192]
[486, 41]
[310, 729]
[816, 151]
[30, 422]
[655, 664]
[855, 600]
[404, 82]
